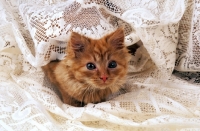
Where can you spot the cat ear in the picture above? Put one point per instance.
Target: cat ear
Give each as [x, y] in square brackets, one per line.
[116, 39]
[77, 42]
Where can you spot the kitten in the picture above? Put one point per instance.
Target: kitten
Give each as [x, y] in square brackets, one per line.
[92, 70]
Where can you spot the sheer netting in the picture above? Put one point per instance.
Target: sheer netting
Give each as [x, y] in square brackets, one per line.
[34, 32]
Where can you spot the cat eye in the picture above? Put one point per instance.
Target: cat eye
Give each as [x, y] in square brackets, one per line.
[112, 64]
[90, 66]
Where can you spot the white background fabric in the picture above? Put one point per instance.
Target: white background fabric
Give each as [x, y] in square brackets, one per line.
[34, 32]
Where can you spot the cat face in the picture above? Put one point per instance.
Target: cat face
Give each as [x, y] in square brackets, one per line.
[100, 63]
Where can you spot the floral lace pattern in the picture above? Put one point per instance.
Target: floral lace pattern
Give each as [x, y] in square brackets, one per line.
[34, 32]
[188, 49]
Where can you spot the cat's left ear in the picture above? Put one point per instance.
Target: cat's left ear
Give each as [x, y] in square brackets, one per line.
[116, 39]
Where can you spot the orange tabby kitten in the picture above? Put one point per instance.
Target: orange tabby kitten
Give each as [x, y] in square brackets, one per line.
[92, 70]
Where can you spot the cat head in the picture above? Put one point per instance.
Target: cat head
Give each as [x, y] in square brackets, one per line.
[100, 62]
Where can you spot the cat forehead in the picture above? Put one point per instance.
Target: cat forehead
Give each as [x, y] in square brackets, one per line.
[100, 45]
[100, 49]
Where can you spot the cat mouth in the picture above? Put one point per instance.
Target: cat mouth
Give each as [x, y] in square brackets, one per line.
[99, 84]
[103, 85]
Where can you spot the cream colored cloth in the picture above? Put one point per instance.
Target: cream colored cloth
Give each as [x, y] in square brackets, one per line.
[33, 32]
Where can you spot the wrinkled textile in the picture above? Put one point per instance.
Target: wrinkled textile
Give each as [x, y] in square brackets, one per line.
[162, 93]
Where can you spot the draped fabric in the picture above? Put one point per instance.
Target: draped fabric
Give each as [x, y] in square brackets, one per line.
[163, 91]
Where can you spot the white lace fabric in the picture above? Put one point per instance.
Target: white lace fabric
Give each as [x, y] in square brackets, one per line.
[32, 33]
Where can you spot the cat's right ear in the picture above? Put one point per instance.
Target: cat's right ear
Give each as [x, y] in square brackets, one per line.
[78, 43]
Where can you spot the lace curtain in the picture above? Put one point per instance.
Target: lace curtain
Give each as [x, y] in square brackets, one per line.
[32, 33]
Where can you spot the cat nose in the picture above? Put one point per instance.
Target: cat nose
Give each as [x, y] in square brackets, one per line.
[104, 78]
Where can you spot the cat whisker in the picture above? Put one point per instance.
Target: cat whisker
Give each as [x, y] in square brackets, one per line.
[84, 93]
[91, 95]
[70, 103]
[87, 91]
[93, 92]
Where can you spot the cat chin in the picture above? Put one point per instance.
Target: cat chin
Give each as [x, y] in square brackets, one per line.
[102, 86]
[97, 85]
